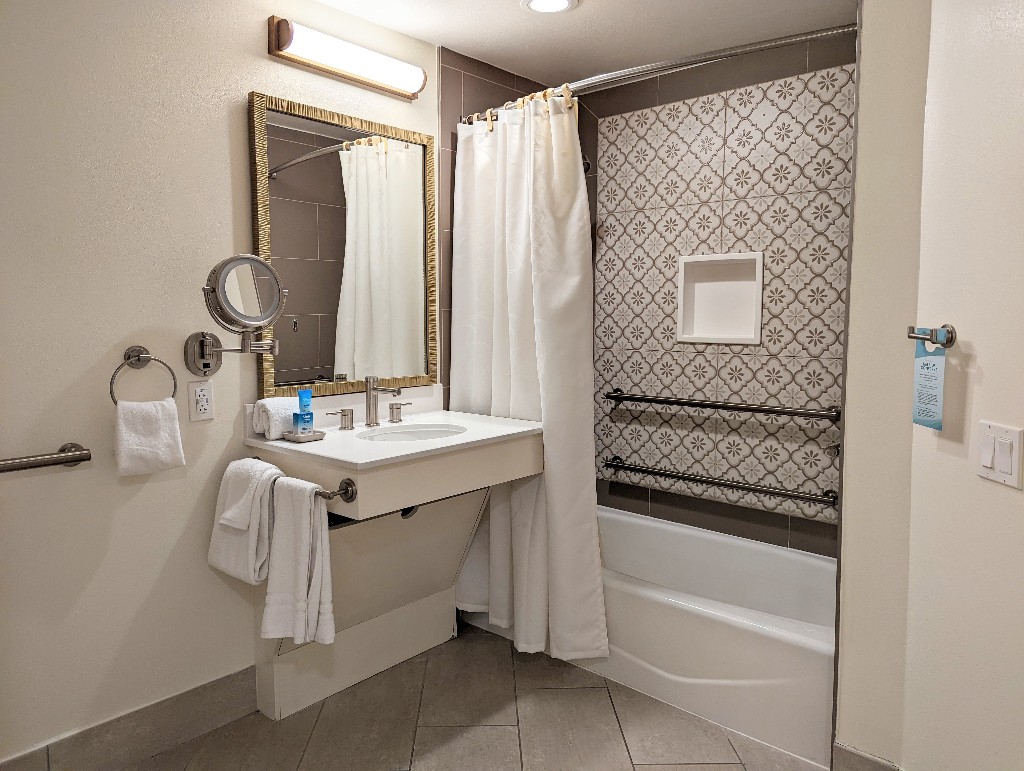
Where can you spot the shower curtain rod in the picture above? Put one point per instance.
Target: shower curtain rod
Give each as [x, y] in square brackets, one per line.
[622, 77]
[340, 147]
[644, 71]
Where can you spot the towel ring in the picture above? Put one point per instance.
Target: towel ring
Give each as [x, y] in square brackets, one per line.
[137, 357]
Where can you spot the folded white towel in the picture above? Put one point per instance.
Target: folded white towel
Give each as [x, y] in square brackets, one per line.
[146, 437]
[240, 543]
[272, 417]
[299, 603]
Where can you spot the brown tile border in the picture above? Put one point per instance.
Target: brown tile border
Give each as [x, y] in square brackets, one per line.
[739, 521]
[151, 730]
[848, 759]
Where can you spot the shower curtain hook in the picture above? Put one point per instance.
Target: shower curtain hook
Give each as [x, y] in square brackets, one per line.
[490, 119]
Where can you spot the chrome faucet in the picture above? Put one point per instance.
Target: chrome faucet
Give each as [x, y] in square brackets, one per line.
[372, 390]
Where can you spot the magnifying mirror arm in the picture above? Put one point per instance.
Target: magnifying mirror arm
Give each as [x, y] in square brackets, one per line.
[248, 346]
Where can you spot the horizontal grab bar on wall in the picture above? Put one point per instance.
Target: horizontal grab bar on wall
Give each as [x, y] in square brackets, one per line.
[826, 498]
[70, 454]
[618, 395]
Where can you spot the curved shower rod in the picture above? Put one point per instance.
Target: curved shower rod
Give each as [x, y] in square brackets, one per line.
[632, 74]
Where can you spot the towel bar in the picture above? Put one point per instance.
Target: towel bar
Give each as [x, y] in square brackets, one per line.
[70, 454]
[826, 498]
[618, 395]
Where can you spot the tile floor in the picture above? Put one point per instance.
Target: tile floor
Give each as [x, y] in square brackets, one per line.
[475, 704]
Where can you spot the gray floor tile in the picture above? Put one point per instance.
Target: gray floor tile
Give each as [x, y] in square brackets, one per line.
[538, 670]
[570, 728]
[256, 742]
[370, 725]
[490, 747]
[761, 757]
[658, 733]
[174, 759]
[30, 761]
[469, 682]
[691, 767]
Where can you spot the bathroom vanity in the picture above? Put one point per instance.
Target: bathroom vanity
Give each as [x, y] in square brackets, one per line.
[412, 496]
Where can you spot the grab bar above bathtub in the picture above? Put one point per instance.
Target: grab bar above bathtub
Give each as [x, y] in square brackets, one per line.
[826, 498]
[618, 395]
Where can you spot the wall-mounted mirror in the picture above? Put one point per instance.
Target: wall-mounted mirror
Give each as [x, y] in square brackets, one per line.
[344, 210]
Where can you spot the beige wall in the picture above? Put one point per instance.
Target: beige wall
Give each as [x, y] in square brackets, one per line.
[877, 445]
[125, 178]
[932, 628]
[965, 642]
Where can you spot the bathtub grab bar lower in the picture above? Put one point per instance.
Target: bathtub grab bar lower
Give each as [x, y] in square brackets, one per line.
[70, 454]
[618, 395]
[826, 498]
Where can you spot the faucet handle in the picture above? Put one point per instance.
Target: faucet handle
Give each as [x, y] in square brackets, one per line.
[395, 411]
[346, 419]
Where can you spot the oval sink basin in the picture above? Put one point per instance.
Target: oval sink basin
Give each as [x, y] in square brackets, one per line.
[411, 432]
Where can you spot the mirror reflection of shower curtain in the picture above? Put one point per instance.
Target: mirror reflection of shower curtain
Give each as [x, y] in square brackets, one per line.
[381, 310]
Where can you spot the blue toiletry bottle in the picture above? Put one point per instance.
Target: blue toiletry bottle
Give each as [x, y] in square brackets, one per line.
[302, 421]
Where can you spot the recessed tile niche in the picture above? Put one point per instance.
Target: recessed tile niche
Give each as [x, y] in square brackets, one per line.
[720, 298]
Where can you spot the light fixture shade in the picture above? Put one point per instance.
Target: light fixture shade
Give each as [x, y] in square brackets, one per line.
[344, 60]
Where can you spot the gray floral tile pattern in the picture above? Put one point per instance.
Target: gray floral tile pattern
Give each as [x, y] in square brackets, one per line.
[763, 168]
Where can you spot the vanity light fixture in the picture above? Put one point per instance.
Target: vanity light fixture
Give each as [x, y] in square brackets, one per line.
[550, 6]
[316, 50]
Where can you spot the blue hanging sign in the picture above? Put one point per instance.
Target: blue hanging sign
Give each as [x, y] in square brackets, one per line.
[929, 377]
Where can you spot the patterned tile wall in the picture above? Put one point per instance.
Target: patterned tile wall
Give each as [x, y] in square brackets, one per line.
[761, 168]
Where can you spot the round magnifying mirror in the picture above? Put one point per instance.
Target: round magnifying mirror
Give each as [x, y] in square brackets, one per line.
[244, 294]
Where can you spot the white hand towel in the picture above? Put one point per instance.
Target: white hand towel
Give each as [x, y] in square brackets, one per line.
[146, 437]
[240, 543]
[272, 417]
[299, 603]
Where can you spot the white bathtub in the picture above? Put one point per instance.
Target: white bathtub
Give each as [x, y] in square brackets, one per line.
[736, 631]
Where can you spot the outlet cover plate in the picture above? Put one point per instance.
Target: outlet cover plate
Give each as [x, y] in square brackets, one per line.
[200, 400]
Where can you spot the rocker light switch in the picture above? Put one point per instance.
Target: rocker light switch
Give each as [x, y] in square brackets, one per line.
[1004, 456]
[1000, 453]
[988, 451]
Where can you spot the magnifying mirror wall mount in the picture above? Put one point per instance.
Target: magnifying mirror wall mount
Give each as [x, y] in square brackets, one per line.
[203, 350]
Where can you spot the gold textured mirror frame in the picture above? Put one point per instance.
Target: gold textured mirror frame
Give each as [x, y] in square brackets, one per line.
[259, 105]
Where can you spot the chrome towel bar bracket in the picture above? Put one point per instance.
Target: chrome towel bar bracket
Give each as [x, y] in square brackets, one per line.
[137, 357]
[346, 491]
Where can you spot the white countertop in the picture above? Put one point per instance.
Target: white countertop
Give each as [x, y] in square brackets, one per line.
[346, 450]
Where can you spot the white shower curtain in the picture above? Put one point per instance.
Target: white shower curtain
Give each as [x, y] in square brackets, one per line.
[522, 347]
[381, 307]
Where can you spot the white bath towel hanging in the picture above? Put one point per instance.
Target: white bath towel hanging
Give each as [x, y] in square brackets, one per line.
[299, 603]
[147, 438]
[272, 417]
[240, 543]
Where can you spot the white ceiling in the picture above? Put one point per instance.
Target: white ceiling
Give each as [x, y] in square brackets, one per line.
[599, 35]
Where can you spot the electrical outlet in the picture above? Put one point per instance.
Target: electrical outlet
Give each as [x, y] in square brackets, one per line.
[200, 401]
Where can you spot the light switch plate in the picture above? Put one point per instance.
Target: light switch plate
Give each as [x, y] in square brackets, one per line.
[200, 400]
[995, 443]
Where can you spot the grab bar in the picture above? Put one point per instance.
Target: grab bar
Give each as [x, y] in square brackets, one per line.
[618, 395]
[826, 498]
[70, 454]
